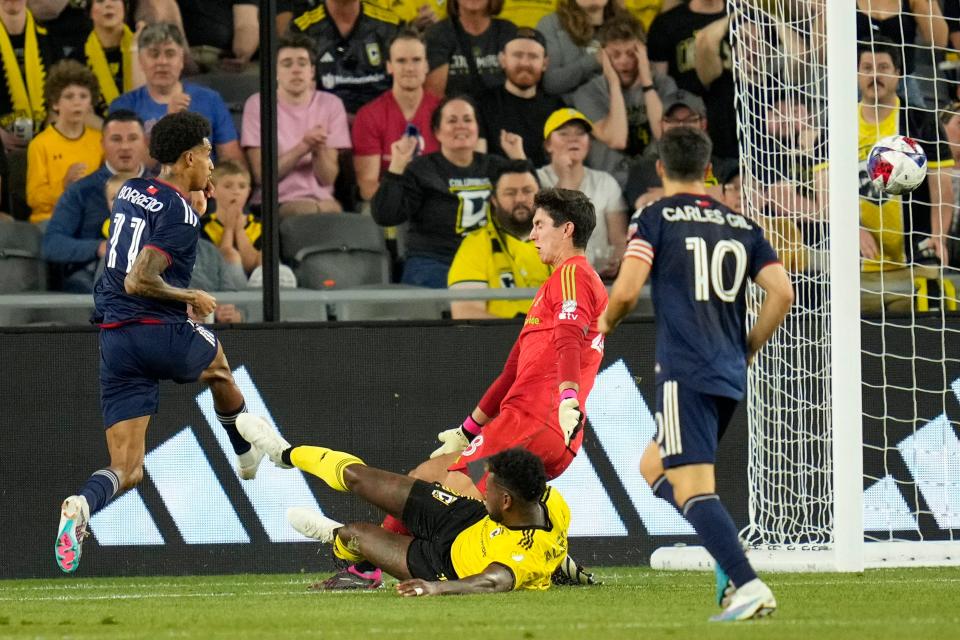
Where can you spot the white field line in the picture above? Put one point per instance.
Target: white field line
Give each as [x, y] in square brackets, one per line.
[69, 586]
[148, 596]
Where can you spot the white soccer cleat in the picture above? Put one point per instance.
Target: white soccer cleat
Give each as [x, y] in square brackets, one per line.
[752, 600]
[312, 524]
[249, 462]
[74, 515]
[263, 437]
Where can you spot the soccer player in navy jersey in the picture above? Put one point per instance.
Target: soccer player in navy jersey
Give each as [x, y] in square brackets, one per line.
[697, 254]
[141, 305]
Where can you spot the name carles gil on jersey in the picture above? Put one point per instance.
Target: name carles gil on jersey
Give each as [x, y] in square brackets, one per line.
[693, 213]
[140, 199]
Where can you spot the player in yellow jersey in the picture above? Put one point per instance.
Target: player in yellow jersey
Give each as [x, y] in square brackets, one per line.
[514, 539]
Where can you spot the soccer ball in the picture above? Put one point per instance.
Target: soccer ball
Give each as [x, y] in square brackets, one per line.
[897, 164]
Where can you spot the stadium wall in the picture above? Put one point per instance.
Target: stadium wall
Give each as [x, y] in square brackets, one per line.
[381, 390]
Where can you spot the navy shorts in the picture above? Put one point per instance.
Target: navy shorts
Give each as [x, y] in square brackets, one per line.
[690, 424]
[134, 359]
[436, 516]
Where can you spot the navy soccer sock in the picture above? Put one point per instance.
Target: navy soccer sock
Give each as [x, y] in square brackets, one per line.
[229, 422]
[100, 489]
[719, 535]
[664, 490]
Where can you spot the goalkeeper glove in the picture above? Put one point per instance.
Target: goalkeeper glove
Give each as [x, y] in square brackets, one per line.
[458, 439]
[569, 415]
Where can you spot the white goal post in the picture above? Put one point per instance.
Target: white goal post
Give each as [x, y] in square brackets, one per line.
[813, 504]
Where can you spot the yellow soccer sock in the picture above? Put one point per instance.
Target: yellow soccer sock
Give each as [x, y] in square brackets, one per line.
[343, 551]
[326, 464]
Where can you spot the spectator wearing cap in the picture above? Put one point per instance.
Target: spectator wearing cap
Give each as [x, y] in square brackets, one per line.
[384, 120]
[567, 140]
[463, 49]
[161, 53]
[680, 109]
[520, 105]
[312, 130]
[351, 41]
[624, 103]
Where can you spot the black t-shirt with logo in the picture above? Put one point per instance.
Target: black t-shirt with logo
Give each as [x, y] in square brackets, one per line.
[442, 201]
[353, 66]
[672, 39]
[443, 47]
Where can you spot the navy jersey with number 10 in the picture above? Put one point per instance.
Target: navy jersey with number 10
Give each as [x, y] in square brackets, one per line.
[147, 212]
[700, 252]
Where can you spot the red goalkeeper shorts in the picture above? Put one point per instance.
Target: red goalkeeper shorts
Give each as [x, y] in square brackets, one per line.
[515, 429]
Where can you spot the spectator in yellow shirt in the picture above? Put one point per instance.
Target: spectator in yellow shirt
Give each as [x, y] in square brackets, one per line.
[499, 255]
[67, 150]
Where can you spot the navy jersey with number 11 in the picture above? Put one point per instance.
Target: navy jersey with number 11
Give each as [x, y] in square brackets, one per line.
[700, 252]
[147, 212]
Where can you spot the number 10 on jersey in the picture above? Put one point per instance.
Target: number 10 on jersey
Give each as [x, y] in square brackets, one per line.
[708, 268]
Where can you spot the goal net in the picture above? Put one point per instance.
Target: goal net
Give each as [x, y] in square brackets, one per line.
[854, 452]
[909, 341]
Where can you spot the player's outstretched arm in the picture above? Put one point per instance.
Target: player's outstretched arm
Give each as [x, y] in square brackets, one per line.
[144, 280]
[494, 578]
[773, 279]
[625, 293]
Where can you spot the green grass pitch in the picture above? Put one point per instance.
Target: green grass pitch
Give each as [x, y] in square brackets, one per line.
[633, 603]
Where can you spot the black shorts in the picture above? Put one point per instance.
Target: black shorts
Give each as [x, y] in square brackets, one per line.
[436, 516]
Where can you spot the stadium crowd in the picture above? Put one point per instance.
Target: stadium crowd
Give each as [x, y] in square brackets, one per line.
[408, 112]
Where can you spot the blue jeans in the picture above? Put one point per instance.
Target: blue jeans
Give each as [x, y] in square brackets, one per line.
[424, 271]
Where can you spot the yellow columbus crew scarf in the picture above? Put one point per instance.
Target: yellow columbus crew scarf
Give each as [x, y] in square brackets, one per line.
[27, 98]
[97, 61]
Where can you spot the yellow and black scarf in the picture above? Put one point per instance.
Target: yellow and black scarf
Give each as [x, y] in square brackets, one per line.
[97, 61]
[26, 97]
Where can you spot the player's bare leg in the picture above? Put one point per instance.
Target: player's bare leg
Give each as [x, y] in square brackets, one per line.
[228, 403]
[126, 442]
[382, 548]
[461, 483]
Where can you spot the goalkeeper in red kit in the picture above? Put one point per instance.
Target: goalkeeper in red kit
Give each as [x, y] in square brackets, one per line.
[537, 402]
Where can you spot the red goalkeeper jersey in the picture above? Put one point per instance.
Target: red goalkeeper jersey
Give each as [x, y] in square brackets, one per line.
[559, 341]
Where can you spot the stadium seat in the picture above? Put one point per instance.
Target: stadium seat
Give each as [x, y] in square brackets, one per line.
[21, 266]
[234, 88]
[341, 250]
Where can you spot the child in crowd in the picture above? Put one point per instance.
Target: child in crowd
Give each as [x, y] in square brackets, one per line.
[68, 149]
[235, 231]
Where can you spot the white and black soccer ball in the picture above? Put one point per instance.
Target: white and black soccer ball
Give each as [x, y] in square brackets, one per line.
[897, 165]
